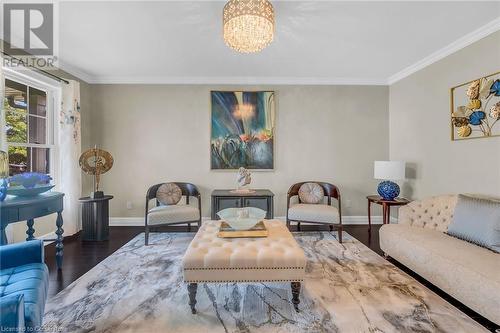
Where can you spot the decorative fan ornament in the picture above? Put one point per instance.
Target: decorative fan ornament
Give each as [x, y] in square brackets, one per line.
[464, 131]
[96, 162]
[473, 90]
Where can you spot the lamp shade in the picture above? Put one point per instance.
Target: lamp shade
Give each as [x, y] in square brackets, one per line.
[389, 170]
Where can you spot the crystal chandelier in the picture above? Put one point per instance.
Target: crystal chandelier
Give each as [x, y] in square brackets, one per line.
[248, 25]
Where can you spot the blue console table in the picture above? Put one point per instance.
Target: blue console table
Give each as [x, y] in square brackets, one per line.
[16, 209]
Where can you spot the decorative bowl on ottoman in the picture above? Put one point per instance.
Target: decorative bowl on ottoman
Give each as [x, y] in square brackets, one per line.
[242, 218]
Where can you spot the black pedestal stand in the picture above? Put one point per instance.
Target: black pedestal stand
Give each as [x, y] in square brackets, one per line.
[95, 217]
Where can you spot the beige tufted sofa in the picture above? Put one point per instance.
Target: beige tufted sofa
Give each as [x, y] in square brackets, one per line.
[469, 273]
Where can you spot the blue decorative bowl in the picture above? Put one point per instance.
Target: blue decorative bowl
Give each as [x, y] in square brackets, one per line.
[242, 218]
[20, 191]
[30, 179]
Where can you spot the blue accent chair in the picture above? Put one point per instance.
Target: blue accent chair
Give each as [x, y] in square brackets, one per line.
[24, 282]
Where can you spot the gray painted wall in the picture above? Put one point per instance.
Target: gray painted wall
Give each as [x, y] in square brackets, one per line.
[420, 127]
[160, 133]
[334, 133]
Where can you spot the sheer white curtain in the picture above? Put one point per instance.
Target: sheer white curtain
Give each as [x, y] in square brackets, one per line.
[3, 137]
[3, 132]
[69, 147]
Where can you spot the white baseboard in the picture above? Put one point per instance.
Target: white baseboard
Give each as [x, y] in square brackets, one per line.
[139, 221]
[126, 221]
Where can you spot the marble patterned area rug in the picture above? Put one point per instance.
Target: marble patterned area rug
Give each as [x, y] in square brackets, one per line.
[348, 288]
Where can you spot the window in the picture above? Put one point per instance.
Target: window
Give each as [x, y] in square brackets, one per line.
[28, 128]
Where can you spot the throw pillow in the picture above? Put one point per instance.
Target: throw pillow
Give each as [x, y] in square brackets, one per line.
[311, 193]
[477, 220]
[169, 194]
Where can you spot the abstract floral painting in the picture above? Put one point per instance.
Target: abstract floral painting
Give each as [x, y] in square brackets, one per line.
[242, 129]
[475, 108]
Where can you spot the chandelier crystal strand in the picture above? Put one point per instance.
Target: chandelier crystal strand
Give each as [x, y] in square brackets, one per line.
[248, 25]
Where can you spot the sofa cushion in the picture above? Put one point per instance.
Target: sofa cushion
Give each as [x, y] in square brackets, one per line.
[466, 271]
[477, 220]
[314, 213]
[31, 281]
[12, 313]
[173, 214]
[430, 213]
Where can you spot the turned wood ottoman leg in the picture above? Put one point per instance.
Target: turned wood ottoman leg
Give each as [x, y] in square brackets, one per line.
[192, 287]
[295, 295]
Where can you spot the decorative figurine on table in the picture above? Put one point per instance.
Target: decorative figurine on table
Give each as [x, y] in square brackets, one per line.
[243, 178]
[96, 162]
[4, 174]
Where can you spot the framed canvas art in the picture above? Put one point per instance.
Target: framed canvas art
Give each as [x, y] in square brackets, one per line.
[475, 108]
[242, 130]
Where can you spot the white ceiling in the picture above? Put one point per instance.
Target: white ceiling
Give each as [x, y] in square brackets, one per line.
[316, 42]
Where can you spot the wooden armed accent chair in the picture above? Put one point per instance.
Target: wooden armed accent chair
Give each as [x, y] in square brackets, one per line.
[321, 213]
[164, 215]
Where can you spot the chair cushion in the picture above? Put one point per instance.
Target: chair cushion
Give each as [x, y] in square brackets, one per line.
[32, 281]
[173, 214]
[477, 220]
[311, 193]
[314, 213]
[169, 194]
[12, 313]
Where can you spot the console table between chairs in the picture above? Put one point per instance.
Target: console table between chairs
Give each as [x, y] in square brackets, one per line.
[386, 207]
[17, 209]
[263, 199]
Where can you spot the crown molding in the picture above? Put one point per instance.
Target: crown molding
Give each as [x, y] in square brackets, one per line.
[455, 46]
[223, 80]
[77, 73]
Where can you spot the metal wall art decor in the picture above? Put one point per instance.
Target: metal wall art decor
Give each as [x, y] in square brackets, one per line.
[242, 130]
[475, 108]
[96, 162]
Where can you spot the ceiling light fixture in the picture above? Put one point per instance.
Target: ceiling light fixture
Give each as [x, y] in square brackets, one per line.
[248, 25]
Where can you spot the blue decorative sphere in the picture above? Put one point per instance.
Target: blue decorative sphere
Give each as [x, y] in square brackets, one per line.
[388, 190]
[3, 188]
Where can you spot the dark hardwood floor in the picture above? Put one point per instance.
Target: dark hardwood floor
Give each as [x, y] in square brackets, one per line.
[80, 257]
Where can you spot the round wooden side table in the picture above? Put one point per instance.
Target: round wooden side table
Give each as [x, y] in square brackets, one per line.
[386, 207]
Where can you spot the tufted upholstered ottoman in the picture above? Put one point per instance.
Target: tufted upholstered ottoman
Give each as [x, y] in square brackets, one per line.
[276, 258]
